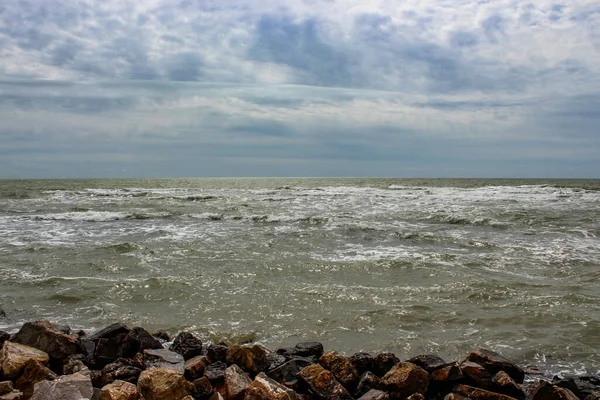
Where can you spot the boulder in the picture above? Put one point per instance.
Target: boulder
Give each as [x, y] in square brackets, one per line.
[162, 358]
[323, 384]
[123, 369]
[582, 386]
[455, 396]
[275, 360]
[543, 390]
[164, 336]
[494, 362]
[163, 384]
[49, 338]
[383, 362]
[374, 394]
[287, 373]
[429, 362]
[342, 369]
[592, 396]
[217, 352]
[138, 340]
[215, 372]
[476, 374]
[252, 359]
[14, 357]
[447, 374]
[202, 388]
[120, 390]
[4, 336]
[362, 362]
[6, 387]
[368, 381]
[307, 349]
[14, 395]
[507, 385]
[187, 345]
[265, 388]
[104, 346]
[474, 393]
[33, 373]
[194, 367]
[67, 387]
[405, 379]
[73, 364]
[236, 382]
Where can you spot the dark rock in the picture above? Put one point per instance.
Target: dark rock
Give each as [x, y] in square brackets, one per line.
[374, 394]
[4, 336]
[33, 373]
[342, 369]
[137, 340]
[202, 388]
[107, 345]
[429, 362]
[448, 373]
[582, 386]
[113, 331]
[368, 381]
[477, 374]
[67, 387]
[455, 396]
[416, 396]
[323, 384]
[543, 390]
[73, 365]
[307, 349]
[474, 393]
[405, 379]
[217, 352]
[275, 360]
[194, 367]
[48, 337]
[383, 362]
[236, 383]
[162, 358]
[593, 396]
[362, 362]
[123, 369]
[494, 362]
[215, 371]
[6, 387]
[265, 388]
[163, 384]
[252, 359]
[162, 336]
[507, 385]
[287, 373]
[187, 345]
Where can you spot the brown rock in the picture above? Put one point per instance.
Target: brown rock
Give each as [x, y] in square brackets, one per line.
[67, 387]
[14, 395]
[405, 379]
[287, 373]
[6, 387]
[362, 362]
[368, 381]
[73, 365]
[543, 390]
[507, 385]
[494, 362]
[479, 394]
[33, 373]
[121, 370]
[202, 388]
[236, 382]
[265, 388]
[120, 390]
[14, 357]
[137, 340]
[374, 394]
[163, 384]
[477, 374]
[323, 383]
[216, 396]
[593, 396]
[342, 369]
[48, 337]
[416, 396]
[383, 362]
[455, 396]
[448, 373]
[429, 362]
[187, 345]
[194, 367]
[217, 352]
[252, 359]
[581, 385]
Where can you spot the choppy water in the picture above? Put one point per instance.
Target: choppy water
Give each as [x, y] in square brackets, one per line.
[407, 266]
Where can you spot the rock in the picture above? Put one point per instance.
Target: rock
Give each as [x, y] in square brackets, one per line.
[507, 385]
[429, 362]
[194, 367]
[187, 345]
[163, 384]
[48, 337]
[265, 388]
[67, 387]
[120, 390]
[202, 388]
[215, 372]
[416, 396]
[6, 387]
[252, 359]
[275, 360]
[105, 346]
[448, 373]
[374, 394]
[123, 369]
[383, 362]
[362, 362]
[474, 393]
[494, 362]
[217, 352]
[166, 359]
[33, 373]
[236, 382]
[477, 374]
[342, 369]
[14, 395]
[162, 336]
[216, 396]
[582, 386]
[543, 390]
[455, 396]
[96, 377]
[405, 379]
[323, 384]
[593, 396]
[4, 336]
[73, 364]
[368, 381]
[14, 357]
[138, 340]
[287, 373]
[307, 349]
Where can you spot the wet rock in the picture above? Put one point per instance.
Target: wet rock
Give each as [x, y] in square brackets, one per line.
[342, 369]
[120, 390]
[48, 337]
[265, 388]
[96, 377]
[187, 345]
[104, 346]
[477, 374]
[543, 390]
[592, 396]
[475, 393]
[455, 396]
[507, 385]
[14, 357]
[362, 362]
[74, 364]
[163, 384]
[405, 379]
[307, 349]
[236, 382]
[217, 352]
[582, 386]
[383, 362]
[126, 370]
[162, 358]
[445, 377]
[33, 373]
[67, 387]
[252, 359]
[6, 387]
[202, 388]
[374, 394]
[323, 384]
[162, 336]
[494, 362]
[14, 395]
[429, 362]
[215, 372]
[4, 336]
[275, 360]
[287, 373]
[138, 340]
[368, 381]
[194, 367]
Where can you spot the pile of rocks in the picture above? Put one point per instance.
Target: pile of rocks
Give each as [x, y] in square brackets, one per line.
[44, 361]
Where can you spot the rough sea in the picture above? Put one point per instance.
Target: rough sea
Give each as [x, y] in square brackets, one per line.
[401, 265]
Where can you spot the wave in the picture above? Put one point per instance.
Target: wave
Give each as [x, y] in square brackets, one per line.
[101, 216]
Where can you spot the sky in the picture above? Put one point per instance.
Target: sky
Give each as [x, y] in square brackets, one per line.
[411, 88]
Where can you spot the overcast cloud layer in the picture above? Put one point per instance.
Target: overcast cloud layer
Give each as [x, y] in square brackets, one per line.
[303, 88]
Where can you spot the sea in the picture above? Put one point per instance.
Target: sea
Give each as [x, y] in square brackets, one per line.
[407, 266]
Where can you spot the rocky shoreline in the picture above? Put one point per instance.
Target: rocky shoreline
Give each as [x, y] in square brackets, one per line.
[44, 361]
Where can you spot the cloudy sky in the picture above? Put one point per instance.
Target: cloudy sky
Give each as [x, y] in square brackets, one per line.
[406, 88]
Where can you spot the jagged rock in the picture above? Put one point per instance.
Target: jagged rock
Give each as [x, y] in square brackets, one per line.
[162, 358]
[307, 349]
[405, 379]
[163, 384]
[67, 387]
[104, 346]
[287, 373]
[33, 373]
[48, 337]
[6, 387]
[449, 373]
[494, 362]
[475, 393]
[73, 364]
[507, 385]
[265, 388]
[120, 390]
[323, 384]
[138, 340]
[342, 369]
[477, 374]
[383, 362]
[582, 386]
[202, 388]
[275, 360]
[162, 336]
[4, 336]
[543, 390]
[194, 367]
[216, 371]
[374, 394]
[123, 369]
[187, 345]
[217, 352]
[429, 362]
[236, 382]
[14, 357]
[14, 395]
[252, 359]
[362, 362]
[368, 381]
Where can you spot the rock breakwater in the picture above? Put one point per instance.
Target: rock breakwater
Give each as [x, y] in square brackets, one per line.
[45, 361]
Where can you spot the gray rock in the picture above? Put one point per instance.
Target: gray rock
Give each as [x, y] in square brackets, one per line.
[154, 358]
[67, 387]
